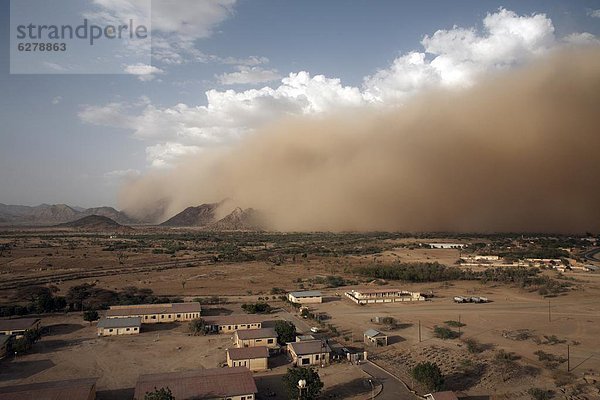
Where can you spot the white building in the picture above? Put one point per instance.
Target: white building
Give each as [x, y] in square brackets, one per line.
[306, 297]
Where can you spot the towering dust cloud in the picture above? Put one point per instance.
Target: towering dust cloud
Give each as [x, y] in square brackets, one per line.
[518, 152]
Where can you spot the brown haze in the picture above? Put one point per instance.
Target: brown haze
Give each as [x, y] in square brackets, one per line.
[518, 152]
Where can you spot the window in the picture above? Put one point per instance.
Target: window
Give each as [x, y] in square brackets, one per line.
[127, 329]
[305, 361]
[316, 357]
[258, 340]
[135, 329]
[236, 327]
[270, 341]
[110, 330]
[162, 317]
[178, 315]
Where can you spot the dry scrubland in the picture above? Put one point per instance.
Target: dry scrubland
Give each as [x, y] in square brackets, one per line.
[241, 268]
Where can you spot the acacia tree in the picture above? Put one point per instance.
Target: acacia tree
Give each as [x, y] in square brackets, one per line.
[313, 383]
[286, 331]
[429, 375]
[160, 394]
[90, 316]
[198, 327]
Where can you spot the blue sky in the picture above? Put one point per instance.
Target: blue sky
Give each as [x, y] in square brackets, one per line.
[73, 138]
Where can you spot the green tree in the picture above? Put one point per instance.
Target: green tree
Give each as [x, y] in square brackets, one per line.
[90, 316]
[198, 327]
[313, 383]
[159, 394]
[286, 331]
[429, 375]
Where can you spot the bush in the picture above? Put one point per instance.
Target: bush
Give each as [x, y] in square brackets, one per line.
[159, 394]
[444, 333]
[257, 308]
[454, 324]
[286, 331]
[198, 327]
[473, 346]
[429, 375]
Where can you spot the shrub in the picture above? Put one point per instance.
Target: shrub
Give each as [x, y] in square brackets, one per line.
[429, 375]
[444, 333]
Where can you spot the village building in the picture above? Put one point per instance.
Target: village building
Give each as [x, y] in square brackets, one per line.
[310, 352]
[445, 245]
[447, 395]
[304, 338]
[4, 341]
[232, 323]
[306, 297]
[253, 358]
[119, 326]
[234, 383]
[256, 337]
[18, 326]
[375, 338]
[390, 295]
[157, 313]
[74, 389]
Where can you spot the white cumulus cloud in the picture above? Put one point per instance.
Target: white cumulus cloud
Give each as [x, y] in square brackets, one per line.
[248, 76]
[449, 58]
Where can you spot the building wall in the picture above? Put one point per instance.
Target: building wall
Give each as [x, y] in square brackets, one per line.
[118, 331]
[269, 342]
[254, 364]
[240, 327]
[383, 297]
[19, 332]
[311, 359]
[305, 300]
[162, 317]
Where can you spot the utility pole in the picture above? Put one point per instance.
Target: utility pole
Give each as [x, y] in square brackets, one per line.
[419, 331]
[568, 358]
[549, 314]
[459, 323]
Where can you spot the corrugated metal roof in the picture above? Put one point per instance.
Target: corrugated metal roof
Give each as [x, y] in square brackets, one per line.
[256, 333]
[247, 353]
[74, 389]
[17, 324]
[310, 347]
[199, 384]
[126, 322]
[373, 333]
[235, 319]
[147, 309]
[307, 293]
[448, 395]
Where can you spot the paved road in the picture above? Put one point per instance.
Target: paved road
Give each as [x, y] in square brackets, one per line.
[591, 255]
[393, 389]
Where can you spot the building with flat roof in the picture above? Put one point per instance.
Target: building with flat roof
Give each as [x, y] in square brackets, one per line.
[232, 323]
[253, 358]
[389, 295]
[310, 352]
[18, 326]
[157, 313]
[74, 389]
[256, 337]
[119, 326]
[234, 383]
[375, 338]
[306, 297]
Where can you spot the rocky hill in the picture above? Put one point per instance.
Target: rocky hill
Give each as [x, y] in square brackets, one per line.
[95, 223]
[202, 215]
[239, 220]
[52, 214]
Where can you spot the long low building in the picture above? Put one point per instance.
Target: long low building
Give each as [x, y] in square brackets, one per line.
[305, 297]
[254, 358]
[74, 389]
[389, 295]
[157, 313]
[256, 337]
[232, 323]
[18, 326]
[119, 326]
[234, 383]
